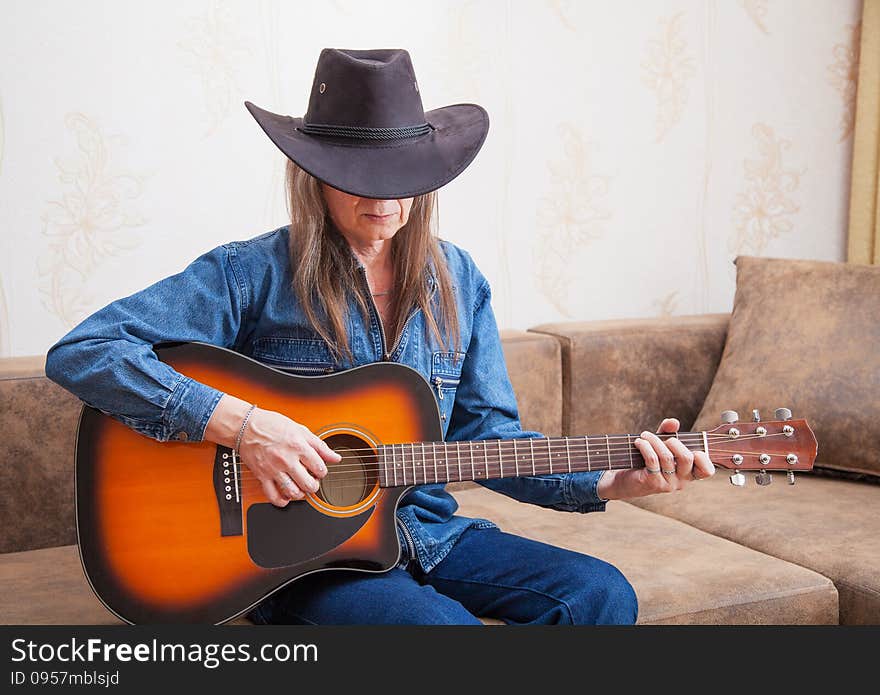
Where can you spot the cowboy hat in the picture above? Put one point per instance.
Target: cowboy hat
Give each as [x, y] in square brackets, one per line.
[365, 131]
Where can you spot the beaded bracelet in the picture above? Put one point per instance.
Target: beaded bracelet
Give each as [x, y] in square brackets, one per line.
[241, 431]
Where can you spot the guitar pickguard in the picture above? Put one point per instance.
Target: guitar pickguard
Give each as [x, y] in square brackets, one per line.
[285, 536]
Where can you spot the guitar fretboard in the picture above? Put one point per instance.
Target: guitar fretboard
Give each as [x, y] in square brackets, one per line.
[418, 463]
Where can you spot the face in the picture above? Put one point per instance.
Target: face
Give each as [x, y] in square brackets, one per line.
[366, 220]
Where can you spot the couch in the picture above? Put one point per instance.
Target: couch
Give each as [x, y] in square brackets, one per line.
[711, 554]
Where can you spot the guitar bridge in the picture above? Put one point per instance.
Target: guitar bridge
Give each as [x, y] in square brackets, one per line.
[227, 489]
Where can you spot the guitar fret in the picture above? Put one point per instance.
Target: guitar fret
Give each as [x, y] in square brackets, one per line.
[515, 459]
[384, 466]
[436, 478]
[500, 460]
[549, 454]
[424, 469]
[587, 446]
[486, 458]
[532, 449]
[608, 447]
[473, 470]
[568, 454]
[402, 467]
[415, 472]
[629, 447]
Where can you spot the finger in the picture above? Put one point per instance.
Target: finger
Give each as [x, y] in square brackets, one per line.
[684, 457]
[323, 449]
[313, 464]
[288, 486]
[301, 476]
[669, 424]
[703, 466]
[651, 476]
[664, 455]
[272, 493]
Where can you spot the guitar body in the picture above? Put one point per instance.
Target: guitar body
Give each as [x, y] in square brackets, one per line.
[177, 532]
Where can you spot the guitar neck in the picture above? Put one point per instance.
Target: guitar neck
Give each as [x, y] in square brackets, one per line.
[418, 463]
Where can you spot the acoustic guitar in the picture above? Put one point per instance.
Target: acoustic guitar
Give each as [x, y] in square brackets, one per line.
[182, 531]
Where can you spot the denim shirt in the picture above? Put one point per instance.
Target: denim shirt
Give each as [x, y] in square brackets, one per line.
[238, 296]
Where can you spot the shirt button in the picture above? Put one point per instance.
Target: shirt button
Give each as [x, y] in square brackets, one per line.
[180, 436]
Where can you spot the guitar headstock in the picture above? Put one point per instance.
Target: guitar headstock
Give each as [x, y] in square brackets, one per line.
[782, 444]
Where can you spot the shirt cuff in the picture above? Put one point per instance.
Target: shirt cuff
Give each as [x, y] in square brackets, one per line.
[188, 410]
[580, 490]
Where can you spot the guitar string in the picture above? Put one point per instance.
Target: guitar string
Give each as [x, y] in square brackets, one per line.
[424, 476]
[539, 455]
[249, 477]
[405, 449]
[248, 484]
[494, 463]
[565, 444]
[579, 440]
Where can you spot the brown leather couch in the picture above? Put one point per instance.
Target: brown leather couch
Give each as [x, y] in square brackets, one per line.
[712, 554]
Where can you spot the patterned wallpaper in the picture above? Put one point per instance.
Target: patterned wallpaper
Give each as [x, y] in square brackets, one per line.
[635, 148]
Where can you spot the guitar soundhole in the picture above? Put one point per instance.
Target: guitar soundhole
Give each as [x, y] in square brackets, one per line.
[352, 480]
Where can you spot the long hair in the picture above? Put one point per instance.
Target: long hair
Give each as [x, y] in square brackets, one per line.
[325, 270]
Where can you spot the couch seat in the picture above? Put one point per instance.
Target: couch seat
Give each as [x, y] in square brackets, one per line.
[693, 577]
[48, 587]
[828, 525]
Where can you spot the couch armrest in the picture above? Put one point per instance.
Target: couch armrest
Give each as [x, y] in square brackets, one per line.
[625, 375]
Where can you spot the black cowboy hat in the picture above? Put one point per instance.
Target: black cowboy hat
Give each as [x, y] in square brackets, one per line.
[366, 133]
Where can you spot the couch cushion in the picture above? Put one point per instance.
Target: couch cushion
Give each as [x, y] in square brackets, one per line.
[827, 525]
[680, 574]
[805, 335]
[534, 365]
[627, 375]
[48, 587]
[38, 420]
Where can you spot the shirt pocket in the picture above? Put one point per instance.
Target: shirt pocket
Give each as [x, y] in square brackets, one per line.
[304, 356]
[445, 378]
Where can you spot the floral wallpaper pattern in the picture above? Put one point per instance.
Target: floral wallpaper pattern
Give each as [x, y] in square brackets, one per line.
[767, 204]
[212, 47]
[574, 215]
[88, 222]
[757, 11]
[844, 76]
[667, 70]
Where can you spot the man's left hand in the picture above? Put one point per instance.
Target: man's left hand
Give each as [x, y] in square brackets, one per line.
[669, 466]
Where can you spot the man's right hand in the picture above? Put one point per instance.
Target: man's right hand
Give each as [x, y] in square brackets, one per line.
[286, 457]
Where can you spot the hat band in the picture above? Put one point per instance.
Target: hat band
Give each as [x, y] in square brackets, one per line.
[366, 133]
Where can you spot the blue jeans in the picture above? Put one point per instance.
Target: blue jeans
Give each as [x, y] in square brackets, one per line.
[488, 573]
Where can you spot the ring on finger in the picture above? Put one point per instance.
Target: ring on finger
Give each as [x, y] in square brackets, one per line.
[287, 482]
[652, 470]
[672, 472]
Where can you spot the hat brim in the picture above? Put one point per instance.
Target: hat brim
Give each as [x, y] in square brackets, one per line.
[389, 169]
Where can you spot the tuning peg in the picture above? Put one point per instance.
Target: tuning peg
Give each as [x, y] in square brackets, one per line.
[738, 479]
[763, 478]
[756, 415]
[783, 414]
[729, 416]
[791, 477]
